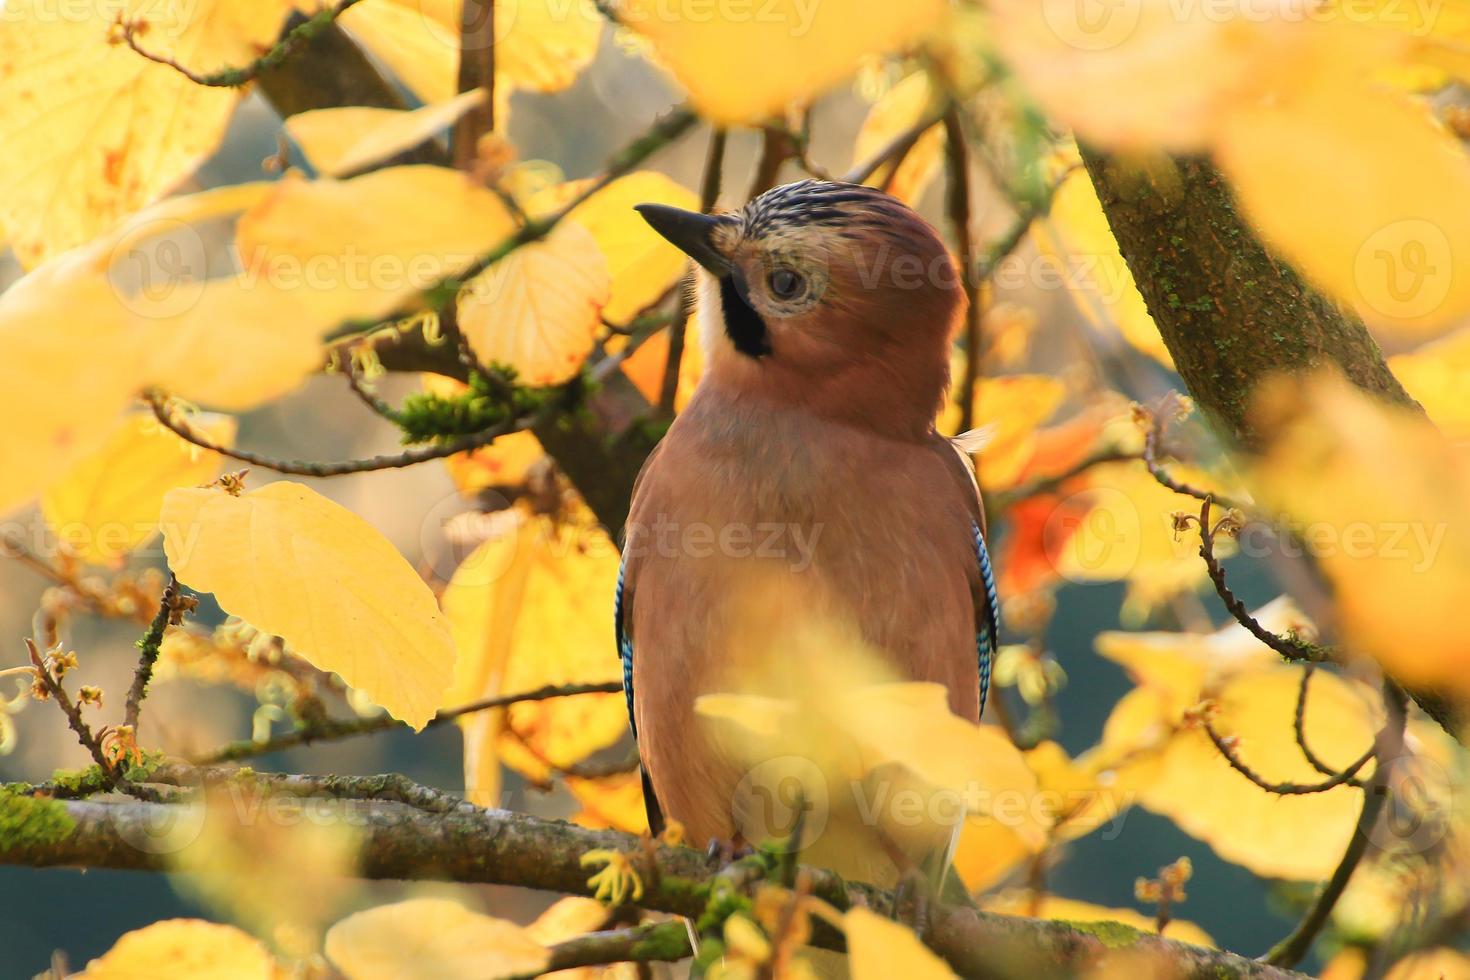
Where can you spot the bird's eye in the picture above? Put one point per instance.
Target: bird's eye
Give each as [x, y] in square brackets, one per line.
[785, 284]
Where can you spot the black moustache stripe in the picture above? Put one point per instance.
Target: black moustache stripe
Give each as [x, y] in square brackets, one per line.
[743, 325]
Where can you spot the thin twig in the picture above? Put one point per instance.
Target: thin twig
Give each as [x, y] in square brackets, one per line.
[331, 731]
[1288, 646]
[1050, 484]
[439, 295]
[476, 70]
[709, 194]
[130, 30]
[159, 402]
[777, 146]
[892, 151]
[649, 943]
[148, 650]
[73, 712]
[1227, 750]
[1299, 724]
[957, 208]
[1387, 747]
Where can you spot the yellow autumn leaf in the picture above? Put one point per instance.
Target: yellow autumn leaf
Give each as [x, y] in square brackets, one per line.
[540, 45]
[645, 368]
[801, 49]
[1128, 534]
[642, 263]
[184, 949]
[1392, 558]
[92, 130]
[1073, 798]
[347, 139]
[75, 371]
[881, 949]
[1180, 667]
[428, 939]
[292, 563]
[233, 864]
[1096, 69]
[1437, 375]
[612, 801]
[1072, 910]
[1016, 405]
[108, 504]
[1440, 963]
[528, 608]
[569, 918]
[1385, 225]
[1179, 773]
[1075, 235]
[901, 108]
[364, 246]
[538, 310]
[474, 606]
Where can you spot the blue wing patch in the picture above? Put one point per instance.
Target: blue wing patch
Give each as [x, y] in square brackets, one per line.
[625, 647]
[988, 636]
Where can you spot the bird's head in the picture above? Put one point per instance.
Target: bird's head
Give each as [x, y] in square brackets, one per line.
[834, 295]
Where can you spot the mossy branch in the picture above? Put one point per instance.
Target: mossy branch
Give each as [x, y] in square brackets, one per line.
[414, 833]
[1232, 314]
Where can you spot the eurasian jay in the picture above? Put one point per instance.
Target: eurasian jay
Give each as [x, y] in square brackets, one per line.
[826, 311]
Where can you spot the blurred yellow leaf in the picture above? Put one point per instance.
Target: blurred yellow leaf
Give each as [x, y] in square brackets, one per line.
[1128, 534]
[184, 949]
[233, 856]
[293, 563]
[1073, 798]
[1434, 964]
[645, 368]
[108, 504]
[1394, 558]
[73, 367]
[540, 45]
[538, 310]
[642, 263]
[801, 48]
[1385, 224]
[901, 108]
[1097, 68]
[1179, 773]
[1076, 235]
[1072, 910]
[881, 949]
[85, 331]
[528, 609]
[364, 246]
[1014, 406]
[612, 801]
[92, 130]
[347, 139]
[429, 939]
[569, 918]
[1438, 375]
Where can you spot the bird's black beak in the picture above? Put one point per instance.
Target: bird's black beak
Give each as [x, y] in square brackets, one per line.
[689, 231]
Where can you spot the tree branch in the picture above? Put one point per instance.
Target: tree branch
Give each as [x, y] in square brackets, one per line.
[461, 842]
[304, 31]
[331, 731]
[1387, 746]
[1231, 313]
[709, 193]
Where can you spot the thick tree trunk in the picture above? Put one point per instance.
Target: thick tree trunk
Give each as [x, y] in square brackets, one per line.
[1231, 314]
